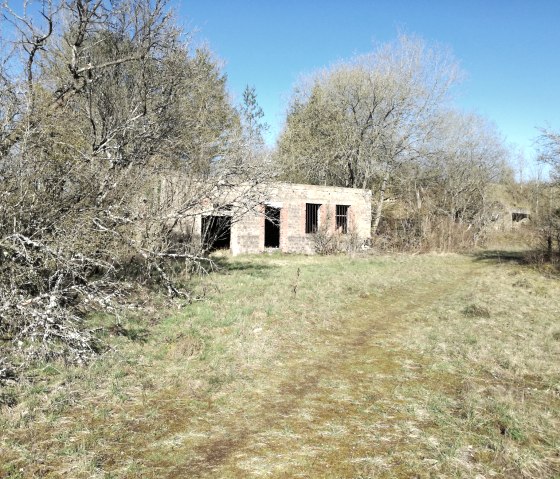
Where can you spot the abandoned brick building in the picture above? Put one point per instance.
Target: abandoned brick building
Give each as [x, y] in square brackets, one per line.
[288, 219]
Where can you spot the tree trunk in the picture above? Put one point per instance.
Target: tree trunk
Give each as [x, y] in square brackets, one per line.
[379, 208]
[351, 177]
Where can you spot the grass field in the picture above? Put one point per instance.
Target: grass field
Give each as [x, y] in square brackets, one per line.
[312, 367]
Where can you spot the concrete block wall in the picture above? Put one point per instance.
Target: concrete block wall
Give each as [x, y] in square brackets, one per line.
[247, 234]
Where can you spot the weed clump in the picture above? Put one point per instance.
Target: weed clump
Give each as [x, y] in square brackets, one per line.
[8, 398]
[522, 283]
[476, 311]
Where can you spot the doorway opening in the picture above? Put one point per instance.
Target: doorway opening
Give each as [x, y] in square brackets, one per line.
[216, 232]
[271, 227]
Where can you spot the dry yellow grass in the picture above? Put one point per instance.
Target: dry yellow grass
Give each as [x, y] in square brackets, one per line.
[397, 366]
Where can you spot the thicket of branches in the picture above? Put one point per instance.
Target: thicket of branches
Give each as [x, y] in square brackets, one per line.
[112, 132]
[548, 220]
[385, 121]
[549, 150]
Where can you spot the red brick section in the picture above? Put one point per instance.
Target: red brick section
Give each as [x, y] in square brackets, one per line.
[283, 216]
[248, 234]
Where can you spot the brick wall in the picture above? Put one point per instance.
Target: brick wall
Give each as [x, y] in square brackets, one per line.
[248, 234]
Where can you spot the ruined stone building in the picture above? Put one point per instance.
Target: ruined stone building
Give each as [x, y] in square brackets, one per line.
[288, 219]
[509, 209]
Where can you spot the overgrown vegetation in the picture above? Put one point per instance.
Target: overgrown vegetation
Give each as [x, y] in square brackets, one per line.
[113, 135]
[385, 121]
[540, 231]
[383, 366]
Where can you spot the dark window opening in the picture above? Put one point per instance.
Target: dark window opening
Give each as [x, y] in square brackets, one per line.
[216, 232]
[271, 227]
[518, 216]
[311, 217]
[341, 218]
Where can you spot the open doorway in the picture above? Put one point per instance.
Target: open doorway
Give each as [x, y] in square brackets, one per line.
[216, 232]
[271, 227]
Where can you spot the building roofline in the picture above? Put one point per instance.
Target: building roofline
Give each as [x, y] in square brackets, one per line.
[305, 186]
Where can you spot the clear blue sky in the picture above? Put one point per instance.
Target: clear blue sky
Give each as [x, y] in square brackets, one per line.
[510, 49]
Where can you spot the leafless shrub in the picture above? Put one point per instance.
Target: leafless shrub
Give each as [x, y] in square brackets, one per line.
[429, 233]
[327, 241]
[113, 137]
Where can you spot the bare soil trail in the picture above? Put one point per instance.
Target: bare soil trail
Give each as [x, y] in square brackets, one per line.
[328, 407]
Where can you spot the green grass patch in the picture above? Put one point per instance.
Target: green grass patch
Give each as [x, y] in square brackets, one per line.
[299, 366]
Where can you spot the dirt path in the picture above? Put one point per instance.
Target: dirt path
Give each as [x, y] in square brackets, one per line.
[333, 407]
[413, 366]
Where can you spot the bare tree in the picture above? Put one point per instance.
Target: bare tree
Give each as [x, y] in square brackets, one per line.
[112, 133]
[360, 121]
[549, 148]
[464, 158]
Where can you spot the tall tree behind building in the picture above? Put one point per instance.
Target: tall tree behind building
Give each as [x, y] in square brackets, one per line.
[373, 121]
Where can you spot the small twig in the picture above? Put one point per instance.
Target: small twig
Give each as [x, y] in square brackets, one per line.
[296, 284]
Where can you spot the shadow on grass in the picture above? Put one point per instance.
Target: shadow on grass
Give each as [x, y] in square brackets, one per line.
[257, 269]
[530, 258]
[505, 256]
[132, 333]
